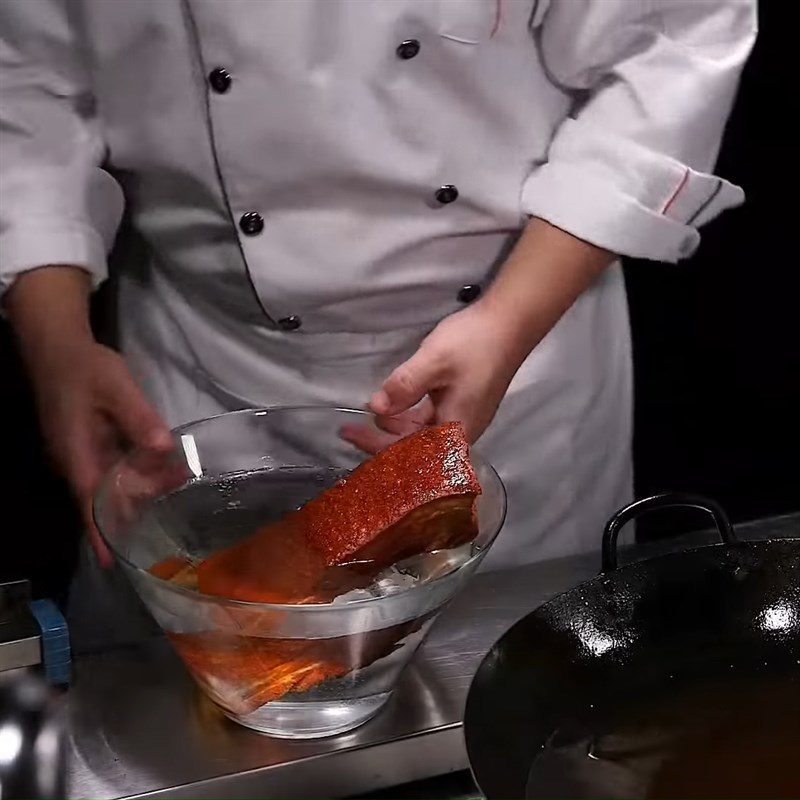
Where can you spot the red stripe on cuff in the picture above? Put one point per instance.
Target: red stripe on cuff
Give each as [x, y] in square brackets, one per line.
[676, 192]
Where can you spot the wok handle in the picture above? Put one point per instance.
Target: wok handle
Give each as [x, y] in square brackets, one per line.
[666, 500]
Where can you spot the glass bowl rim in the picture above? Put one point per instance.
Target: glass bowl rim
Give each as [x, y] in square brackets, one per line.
[291, 607]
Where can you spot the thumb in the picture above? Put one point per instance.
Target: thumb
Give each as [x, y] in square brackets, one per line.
[408, 384]
[136, 418]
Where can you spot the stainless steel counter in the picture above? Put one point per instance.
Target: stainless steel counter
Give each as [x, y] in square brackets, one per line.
[137, 727]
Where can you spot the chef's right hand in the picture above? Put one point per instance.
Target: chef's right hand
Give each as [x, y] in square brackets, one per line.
[90, 409]
[89, 405]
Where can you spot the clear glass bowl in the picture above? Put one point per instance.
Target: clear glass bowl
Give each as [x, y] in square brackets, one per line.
[225, 477]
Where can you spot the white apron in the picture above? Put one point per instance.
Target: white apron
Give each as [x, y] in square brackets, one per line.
[284, 162]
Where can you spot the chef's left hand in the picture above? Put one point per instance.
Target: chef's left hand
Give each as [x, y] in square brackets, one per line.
[463, 367]
[461, 371]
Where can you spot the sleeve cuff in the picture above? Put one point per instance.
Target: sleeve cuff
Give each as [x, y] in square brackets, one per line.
[26, 248]
[590, 209]
[623, 197]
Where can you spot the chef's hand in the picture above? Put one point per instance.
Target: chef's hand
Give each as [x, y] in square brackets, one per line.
[462, 370]
[90, 408]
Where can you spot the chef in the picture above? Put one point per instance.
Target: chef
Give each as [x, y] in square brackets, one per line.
[412, 204]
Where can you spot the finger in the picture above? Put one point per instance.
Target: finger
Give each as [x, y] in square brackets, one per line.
[96, 541]
[87, 448]
[366, 438]
[398, 426]
[409, 421]
[138, 421]
[473, 412]
[84, 476]
[408, 384]
[144, 475]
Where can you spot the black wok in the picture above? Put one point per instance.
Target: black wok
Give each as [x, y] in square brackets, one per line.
[675, 676]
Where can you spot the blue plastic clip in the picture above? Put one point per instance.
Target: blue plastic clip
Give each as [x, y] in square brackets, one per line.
[56, 654]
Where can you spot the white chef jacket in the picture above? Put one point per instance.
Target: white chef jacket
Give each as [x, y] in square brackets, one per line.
[283, 162]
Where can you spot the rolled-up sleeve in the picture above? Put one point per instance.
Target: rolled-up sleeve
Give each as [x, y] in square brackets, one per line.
[654, 82]
[57, 205]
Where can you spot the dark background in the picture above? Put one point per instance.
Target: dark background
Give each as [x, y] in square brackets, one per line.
[717, 338]
[716, 347]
